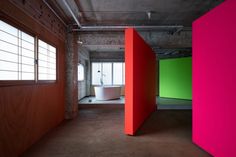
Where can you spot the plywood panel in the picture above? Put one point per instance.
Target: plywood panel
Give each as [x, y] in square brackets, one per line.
[27, 112]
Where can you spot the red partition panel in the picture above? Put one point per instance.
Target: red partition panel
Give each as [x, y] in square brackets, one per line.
[214, 80]
[140, 81]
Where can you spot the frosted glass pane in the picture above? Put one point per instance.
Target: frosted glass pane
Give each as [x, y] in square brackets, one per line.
[43, 51]
[7, 75]
[47, 61]
[95, 74]
[27, 76]
[123, 73]
[8, 66]
[52, 71]
[52, 66]
[27, 68]
[52, 49]
[8, 56]
[26, 60]
[43, 64]
[117, 73]
[42, 44]
[27, 53]
[52, 77]
[27, 45]
[8, 47]
[8, 38]
[42, 57]
[43, 77]
[107, 73]
[8, 28]
[80, 72]
[52, 60]
[43, 70]
[52, 55]
[27, 37]
[14, 45]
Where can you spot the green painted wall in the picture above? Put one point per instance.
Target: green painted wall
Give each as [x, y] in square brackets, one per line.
[176, 78]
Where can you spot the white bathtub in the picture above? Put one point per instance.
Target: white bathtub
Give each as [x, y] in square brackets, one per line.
[107, 92]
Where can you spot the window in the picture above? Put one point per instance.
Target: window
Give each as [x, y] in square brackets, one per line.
[46, 61]
[80, 72]
[117, 73]
[20, 59]
[108, 73]
[96, 73]
[16, 54]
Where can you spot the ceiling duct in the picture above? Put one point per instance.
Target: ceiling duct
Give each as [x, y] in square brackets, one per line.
[103, 28]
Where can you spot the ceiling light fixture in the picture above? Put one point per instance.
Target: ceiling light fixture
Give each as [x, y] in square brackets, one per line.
[149, 13]
[79, 42]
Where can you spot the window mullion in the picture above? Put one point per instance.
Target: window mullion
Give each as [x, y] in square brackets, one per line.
[111, 73]
[18, 55]
[36, 59]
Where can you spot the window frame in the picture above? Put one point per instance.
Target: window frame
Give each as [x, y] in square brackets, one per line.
[37, 58]
[4, 83]
[112, 74]
[123, 81]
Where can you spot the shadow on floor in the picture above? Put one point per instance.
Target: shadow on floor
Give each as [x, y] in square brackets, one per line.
[98, 131]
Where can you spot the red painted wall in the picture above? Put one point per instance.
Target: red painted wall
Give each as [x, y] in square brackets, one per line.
[214, 76]
[140, 81]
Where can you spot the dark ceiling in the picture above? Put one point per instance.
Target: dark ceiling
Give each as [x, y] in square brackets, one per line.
[137, 12]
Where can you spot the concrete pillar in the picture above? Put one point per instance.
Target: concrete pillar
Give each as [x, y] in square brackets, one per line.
[71, 92]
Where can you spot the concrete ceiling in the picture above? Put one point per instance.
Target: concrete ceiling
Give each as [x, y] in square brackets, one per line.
[134, 12]
[167, 43]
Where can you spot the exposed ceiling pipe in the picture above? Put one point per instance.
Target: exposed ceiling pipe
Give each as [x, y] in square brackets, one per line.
[48, 5]
[140, 27]
[72, 13]
[102, 28]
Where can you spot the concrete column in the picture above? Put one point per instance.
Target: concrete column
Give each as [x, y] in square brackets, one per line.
[71, 92]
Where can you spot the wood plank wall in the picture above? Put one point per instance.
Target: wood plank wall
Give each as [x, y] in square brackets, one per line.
[27, 112]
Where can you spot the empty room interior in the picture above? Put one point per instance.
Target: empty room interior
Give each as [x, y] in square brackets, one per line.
[124, 78]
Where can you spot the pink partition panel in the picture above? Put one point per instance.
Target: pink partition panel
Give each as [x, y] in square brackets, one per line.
[214, 80]
[140, 81]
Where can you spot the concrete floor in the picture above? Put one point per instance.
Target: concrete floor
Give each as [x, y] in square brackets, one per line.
[98, 132]
[92, 100]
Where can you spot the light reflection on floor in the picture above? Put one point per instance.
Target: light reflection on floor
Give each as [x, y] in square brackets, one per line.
[163, 103]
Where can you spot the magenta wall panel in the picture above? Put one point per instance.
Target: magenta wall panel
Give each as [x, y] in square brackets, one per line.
[214, 81]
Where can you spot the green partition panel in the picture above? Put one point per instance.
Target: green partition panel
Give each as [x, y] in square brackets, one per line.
[176, 78]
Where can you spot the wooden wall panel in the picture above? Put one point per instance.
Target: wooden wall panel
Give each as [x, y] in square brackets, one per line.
[27, 112]
[37, 10]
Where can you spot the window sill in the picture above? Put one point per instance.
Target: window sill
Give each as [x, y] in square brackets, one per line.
[9, 83]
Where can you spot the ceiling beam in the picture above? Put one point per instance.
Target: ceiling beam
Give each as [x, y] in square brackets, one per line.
[155, 39]
[72, 13]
